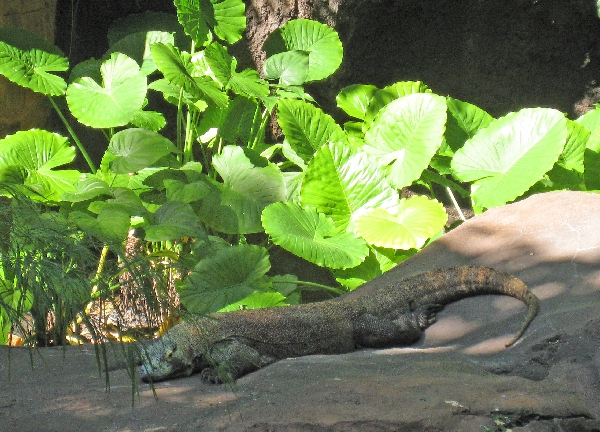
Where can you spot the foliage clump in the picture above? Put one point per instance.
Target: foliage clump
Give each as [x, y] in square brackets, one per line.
[200, 200]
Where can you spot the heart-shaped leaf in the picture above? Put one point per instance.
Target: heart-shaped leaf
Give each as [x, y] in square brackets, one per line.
[355, 99]
[342, 183]
[27, 60]
[406, 134]
[172, 221]
[312, 236]
[320, 41]
[235, 205]
[228, 276]
[417, 219]
[36, 153]
[115, 101]
[225, 18]
[135, 149]
[290, 67]
[307, 127]
[509, 156]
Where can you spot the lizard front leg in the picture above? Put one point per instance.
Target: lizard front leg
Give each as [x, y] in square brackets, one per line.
[231, 359]
[371, 331]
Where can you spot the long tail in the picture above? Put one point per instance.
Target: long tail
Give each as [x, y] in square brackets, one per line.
[447, 285]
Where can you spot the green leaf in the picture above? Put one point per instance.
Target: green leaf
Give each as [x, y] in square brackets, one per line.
[151, 120]
[15, 302]
[27, 60]
[571, 157]
[247, 82]
[235, 206]
[312, 236]
[172, 221]
[342, 183]
[111, 225]
[568, 172]
[223, 17]
[591, 160]
[239, 120]
[137, 47]
[590, 119]
[257, 300]
[35, 153]
[86, 189]
[116, 101]
[123, 199]
[464, 121]
[390, 93]
[290, 67]
[179, 70]
[186, 193]
[214, 61]
[355, 99]
[136, 149]
[320, 41]
[417, 219]
[307, 127]
[378, 261]
[406, 134]
[215, 282]
[89, 68]
[509, 156]
[175, 65]
[231, 19]
[146, 22]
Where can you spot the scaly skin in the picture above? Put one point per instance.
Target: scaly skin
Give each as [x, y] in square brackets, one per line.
[236, 343]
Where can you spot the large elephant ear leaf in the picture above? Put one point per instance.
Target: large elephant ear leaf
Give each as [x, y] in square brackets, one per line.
[416, 219]
[235, 205]
[34, 154]
[406, 134]
[320, 41]
[199, 18]
[115, 101]
[313, 236]
[27, 60]
[509, 156]
[227, 276]
[343, 183]
[307, 127]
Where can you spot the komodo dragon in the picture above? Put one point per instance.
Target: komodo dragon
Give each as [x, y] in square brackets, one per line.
[240, 342]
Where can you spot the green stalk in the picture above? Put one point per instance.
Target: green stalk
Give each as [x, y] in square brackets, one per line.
[179, 120]
[334, 290]
[100, 269]
[74, 136]
[188, 144]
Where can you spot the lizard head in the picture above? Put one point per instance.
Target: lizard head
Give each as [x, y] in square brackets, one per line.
[164, 359]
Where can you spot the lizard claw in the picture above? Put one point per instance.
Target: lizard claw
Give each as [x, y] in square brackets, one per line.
[426, 315]
[210, 376]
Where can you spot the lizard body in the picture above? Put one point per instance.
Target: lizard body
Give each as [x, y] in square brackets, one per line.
[237, 343]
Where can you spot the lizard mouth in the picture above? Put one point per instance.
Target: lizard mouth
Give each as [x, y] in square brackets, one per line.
[150, 373]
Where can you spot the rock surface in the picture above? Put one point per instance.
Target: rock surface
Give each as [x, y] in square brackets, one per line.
[458, 378]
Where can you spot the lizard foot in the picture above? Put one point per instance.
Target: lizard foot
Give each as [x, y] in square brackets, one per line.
[210, 376]
[426, 315]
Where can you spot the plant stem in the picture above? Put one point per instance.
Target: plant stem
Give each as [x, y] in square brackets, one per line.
[188, 144]
[334, 290]
[74, 136]
[100, 268]
[456, 206]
